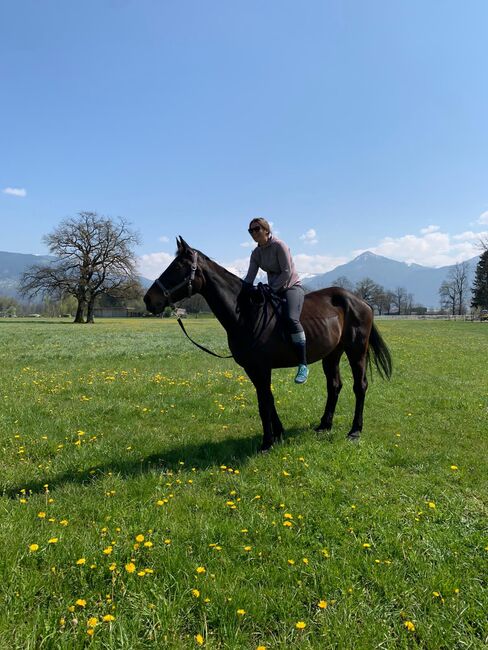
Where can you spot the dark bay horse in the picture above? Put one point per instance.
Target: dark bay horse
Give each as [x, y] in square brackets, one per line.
[335, 322]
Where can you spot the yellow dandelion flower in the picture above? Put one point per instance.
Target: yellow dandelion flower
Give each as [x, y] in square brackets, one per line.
[201, 569]
[92, 621]
[199, 639]
[366, 545]
[241, 612]
[108, 618]
[148, 544]
[300, 625]
[81, 561]
[141, 573]
[454, 467]
[287, 515]
[247, 548]
[139, 538]
[108, 550]
[287, 524]
[81, 602]
[167, 542]
[33, 548]
[90, 631]
[195, 593]
[41, 515]
[322, 604]
[53, 540]
[112, 566]
[130, 567]
[410, 626]
[261, 647]
[431, 504]
[64, 522]
[291, 562]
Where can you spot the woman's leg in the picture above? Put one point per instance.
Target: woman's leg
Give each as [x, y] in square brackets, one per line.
[294, 303]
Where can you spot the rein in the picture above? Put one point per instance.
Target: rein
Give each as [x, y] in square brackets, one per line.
[214, 354]
[189, 282]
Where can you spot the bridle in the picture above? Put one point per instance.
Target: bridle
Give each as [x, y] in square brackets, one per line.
[187, 281]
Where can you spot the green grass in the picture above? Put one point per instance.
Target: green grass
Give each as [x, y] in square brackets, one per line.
[124, 428]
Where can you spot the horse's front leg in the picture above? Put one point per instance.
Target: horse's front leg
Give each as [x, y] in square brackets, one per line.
[272, 427]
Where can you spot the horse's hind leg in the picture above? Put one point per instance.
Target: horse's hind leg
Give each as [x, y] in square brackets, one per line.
[358, 365]
[334, 384]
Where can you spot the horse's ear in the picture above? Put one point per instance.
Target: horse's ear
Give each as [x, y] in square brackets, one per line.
[182, 245]
[179, 247]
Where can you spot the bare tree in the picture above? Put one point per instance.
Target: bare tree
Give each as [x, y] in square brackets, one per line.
[400, 298]
[94, 257]
[343, 282]
[448, 296]
[454, 289]
[367, 289]
[384, 301]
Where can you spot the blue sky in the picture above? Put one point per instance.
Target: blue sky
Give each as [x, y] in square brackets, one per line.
[350, 125]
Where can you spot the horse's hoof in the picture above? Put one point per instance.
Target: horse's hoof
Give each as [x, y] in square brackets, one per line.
[321, 429]
[353, 437]
[265, 449]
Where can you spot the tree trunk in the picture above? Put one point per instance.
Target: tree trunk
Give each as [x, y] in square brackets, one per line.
[91, 308]
[79, 312]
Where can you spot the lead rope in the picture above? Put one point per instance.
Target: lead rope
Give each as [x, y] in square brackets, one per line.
[214, 354]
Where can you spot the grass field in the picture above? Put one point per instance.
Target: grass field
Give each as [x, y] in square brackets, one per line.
[137, 513]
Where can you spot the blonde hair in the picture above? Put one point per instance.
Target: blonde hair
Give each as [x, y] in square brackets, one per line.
[262, 222]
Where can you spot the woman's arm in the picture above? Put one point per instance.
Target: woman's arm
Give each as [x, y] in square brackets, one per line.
[253, 270]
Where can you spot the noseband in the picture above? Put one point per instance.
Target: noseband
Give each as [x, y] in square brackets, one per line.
[187, 281]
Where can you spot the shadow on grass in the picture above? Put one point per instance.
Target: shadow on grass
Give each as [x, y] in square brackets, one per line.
[232, 452]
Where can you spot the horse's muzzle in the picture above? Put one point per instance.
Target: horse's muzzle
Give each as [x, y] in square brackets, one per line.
[154, 305]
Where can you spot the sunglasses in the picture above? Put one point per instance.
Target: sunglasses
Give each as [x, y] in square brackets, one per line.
[254, 229]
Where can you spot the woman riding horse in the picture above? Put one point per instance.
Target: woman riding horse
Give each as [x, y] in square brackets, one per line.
[273, 256]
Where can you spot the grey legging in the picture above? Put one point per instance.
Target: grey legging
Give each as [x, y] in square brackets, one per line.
[294, 297]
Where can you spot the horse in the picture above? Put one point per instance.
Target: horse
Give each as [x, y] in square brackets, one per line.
[335, 322]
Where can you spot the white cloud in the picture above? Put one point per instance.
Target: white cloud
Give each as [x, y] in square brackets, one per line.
[246, 244]
[483, 218]
[429, 229]
[310, 237]
[312, 264]
[15, 191]
[164, 239]
[152, 265]
[431, 248]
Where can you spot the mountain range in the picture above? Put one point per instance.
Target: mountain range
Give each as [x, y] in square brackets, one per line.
[421, 281]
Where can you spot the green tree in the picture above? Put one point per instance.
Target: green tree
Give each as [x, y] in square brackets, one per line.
[480, 284]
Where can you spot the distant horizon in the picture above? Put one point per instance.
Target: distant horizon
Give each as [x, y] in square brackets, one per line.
[302, 276]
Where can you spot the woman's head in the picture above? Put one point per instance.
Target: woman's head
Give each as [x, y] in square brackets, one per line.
[259, 227]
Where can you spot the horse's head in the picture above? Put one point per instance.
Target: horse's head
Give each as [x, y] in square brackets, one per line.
[180, 280]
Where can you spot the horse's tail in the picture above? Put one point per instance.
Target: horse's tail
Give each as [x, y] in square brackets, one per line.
[381, 354]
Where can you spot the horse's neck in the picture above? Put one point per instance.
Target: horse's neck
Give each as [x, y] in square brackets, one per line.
[220, 291]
